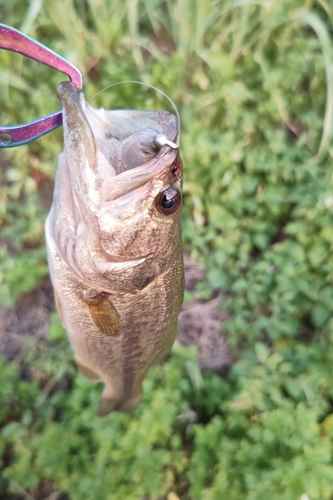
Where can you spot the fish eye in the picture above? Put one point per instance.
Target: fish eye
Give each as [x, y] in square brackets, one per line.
[168, 201]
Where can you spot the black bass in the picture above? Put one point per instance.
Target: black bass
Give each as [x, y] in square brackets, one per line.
[114, 243]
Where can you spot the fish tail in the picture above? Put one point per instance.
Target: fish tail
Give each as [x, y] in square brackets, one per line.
[109, 403]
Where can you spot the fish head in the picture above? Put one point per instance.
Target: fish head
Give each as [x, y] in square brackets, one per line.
[124, 173]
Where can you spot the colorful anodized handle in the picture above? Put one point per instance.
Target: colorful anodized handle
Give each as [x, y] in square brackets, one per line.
[15, 41]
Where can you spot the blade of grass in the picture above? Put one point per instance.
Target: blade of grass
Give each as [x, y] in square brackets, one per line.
[321, 31]
[32, 14]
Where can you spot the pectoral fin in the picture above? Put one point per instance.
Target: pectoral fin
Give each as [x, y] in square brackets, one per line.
[58, 306]
[104, 315]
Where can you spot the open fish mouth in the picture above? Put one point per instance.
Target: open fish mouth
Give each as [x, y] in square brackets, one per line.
[124, 148]
[116, 181]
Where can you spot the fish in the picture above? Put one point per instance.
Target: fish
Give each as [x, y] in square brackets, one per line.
[114, 243]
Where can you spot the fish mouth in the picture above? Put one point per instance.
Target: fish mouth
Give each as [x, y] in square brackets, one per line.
[95, 201]
[120, 150]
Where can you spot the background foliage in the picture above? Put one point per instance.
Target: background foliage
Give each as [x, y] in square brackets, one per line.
[253, 81]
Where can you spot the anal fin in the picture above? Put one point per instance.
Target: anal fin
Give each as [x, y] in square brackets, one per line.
[87, 372]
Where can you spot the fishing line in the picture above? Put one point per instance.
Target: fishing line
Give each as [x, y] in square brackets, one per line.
[173, 105]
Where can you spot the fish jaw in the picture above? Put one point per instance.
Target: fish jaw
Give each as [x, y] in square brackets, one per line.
[80, 145]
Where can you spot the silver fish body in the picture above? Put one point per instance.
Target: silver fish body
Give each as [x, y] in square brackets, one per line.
[114, 243]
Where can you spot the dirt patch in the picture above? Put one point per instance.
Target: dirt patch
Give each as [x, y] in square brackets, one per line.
[201, 323]
[29, 317]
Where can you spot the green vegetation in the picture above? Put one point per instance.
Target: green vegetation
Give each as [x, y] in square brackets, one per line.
[253, 81]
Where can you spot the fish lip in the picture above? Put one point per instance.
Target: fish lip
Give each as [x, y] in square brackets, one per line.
[78, 136]
[115, 188]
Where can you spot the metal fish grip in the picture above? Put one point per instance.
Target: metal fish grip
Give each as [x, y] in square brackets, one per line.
[15, 41]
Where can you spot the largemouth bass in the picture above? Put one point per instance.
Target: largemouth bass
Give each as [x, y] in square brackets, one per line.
[114, 243]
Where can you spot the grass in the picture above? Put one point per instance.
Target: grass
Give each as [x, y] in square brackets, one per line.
[253, 84]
